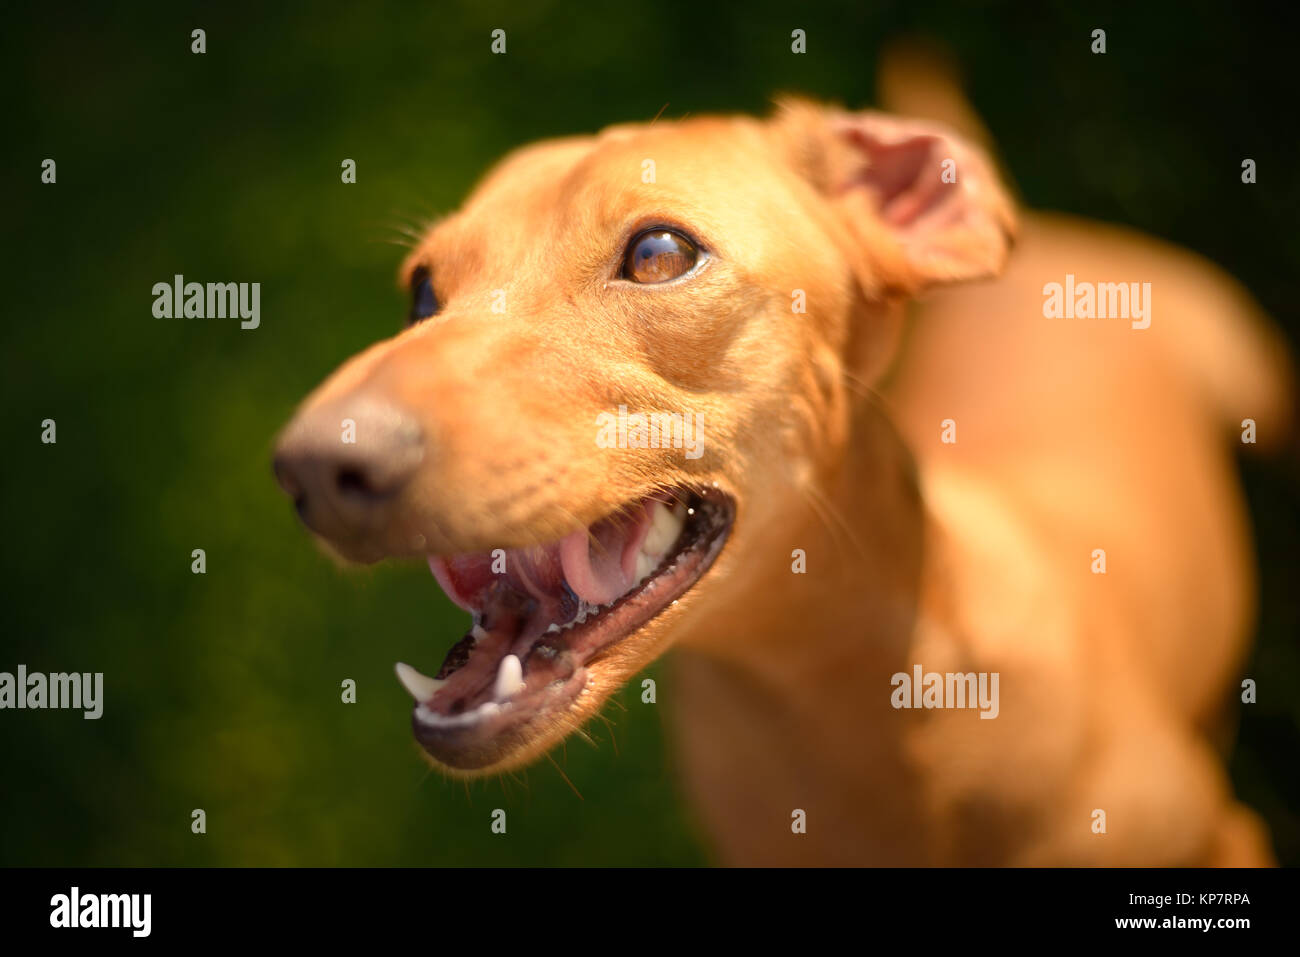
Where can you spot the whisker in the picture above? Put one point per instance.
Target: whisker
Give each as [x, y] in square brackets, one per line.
[857, 385]
[832, 518]
[565, 776]
[609, 725]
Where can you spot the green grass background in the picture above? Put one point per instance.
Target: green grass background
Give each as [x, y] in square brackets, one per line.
[222, 690]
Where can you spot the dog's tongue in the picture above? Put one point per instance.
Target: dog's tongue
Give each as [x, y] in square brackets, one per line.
[598, 565]
[600, 562]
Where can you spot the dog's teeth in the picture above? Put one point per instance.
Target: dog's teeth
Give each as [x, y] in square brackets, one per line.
[421, 687]
[644, 566]
[665, 528]
[466, 718]
[510, 678]
[585, 612]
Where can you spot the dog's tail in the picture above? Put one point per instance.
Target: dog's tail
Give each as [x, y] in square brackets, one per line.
[1237, 356]
[1226, 344]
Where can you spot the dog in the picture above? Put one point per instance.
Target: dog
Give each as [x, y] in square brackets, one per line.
[912, 484]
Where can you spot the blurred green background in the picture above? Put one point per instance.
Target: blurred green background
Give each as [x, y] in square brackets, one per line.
[223, 690]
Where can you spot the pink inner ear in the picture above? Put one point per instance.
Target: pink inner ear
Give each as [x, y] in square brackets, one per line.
[947, 231]
[905, 176]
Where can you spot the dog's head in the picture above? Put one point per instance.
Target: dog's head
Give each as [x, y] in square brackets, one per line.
[622, 352]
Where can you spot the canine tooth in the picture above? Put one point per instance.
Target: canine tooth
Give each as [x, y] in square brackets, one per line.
[665, 528]
[644, 566]
[553, 629]
[421, 687]
[510, 678]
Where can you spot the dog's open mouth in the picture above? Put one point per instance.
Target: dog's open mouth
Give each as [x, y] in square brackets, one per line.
[543, 615]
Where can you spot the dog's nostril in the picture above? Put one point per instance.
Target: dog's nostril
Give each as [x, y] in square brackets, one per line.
[356, 483]
[346, 489]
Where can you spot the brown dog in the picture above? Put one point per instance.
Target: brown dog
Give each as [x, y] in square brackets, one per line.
[657, 391]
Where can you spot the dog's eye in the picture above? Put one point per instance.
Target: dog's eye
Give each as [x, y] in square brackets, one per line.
[423, 302]
[658, 255]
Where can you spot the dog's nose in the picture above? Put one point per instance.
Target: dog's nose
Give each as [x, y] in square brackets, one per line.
[344, 463]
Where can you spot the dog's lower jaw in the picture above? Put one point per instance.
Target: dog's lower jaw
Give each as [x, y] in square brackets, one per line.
[521, 746]
[543, 655]
[581, 701]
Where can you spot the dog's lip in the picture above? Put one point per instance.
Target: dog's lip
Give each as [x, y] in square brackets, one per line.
[557, 665]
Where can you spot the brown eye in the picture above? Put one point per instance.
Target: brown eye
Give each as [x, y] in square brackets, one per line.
[658, 255]
[423, 302]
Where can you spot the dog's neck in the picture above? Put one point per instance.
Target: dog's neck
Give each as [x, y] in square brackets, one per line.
[801, 661]
[842, 565]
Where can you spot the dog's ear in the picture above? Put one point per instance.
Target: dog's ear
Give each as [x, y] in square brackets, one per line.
[922, 204]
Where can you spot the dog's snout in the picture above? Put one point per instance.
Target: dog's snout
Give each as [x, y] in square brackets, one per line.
[346, 462]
